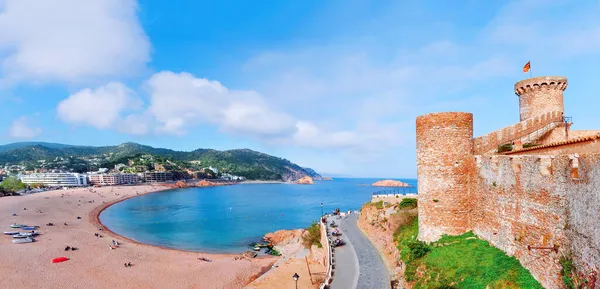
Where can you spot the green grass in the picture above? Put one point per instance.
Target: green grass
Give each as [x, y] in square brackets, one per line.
[458, 262]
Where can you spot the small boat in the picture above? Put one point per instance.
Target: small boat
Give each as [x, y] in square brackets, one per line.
[31, 228]
[256, 248]
[25, 234]
[11, 232]
[23, 241]
[14, 226]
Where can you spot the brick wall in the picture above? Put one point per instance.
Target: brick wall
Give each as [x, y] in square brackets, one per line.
[529, 200]
[582, 133]
[444, 159]
[488, 142]
[540, 95]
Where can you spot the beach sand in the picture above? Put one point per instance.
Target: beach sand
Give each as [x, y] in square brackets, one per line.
[94, 264]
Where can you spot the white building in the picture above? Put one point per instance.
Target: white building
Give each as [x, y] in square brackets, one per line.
[56, 179]
[113, 179]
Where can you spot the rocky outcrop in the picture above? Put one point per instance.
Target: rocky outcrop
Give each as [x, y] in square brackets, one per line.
[205, 183]
[289, 243]
[202, 183]
[390, 183]
[285, 237]
[305, 181]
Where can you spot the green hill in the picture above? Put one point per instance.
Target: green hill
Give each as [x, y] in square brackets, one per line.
[242, 162]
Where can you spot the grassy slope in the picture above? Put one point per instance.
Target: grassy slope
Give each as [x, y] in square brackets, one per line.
[460, 262]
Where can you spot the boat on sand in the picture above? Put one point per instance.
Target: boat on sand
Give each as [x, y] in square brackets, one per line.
[11, 232]
[24, 240]
[25, 235]
[14, 226]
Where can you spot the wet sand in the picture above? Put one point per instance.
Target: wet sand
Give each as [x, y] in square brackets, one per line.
[94, 264]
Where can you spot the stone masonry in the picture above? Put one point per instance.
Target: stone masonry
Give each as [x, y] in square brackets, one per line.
[444, 156]
[540, 95]
[528, 204]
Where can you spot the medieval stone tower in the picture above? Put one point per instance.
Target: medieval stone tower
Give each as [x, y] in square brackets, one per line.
[444, 160]
[446, 157]
[540, 95]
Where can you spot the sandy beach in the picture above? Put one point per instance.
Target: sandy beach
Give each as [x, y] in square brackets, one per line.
[94, 264]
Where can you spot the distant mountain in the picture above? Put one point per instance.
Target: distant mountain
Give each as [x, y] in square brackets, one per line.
[313, 174]
[18, 145]
[242, 162]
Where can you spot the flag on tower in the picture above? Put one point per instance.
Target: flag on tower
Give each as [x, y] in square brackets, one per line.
[527, 67]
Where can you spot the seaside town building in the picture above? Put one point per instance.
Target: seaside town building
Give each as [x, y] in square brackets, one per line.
[55, 179]
[530, 189]
[113, 179]
[156, 177]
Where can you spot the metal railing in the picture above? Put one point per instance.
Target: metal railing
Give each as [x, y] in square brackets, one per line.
[329, 277]
[397, 191]
[522, 129]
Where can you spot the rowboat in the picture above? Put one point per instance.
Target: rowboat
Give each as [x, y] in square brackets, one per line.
[17, 225]
[25, 234]
[23, 241]
[11, 232]
[30, 228]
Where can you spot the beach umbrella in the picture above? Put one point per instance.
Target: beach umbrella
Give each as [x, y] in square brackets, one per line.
[59, 259]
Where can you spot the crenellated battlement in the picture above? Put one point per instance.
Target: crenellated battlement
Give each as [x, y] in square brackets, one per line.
[541, 197]
[541, 83]
[491, 141]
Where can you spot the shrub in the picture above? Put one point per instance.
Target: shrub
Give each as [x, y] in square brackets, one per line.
[379, 205]
[446, 287]
[529, 145]
[312, 236]
[408, 203]
[567, 272]
[418, 249]
[505, 148]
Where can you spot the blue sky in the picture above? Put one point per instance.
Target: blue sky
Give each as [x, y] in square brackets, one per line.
[332, 85]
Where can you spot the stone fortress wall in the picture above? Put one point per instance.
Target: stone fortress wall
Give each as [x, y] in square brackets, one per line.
[537, 203]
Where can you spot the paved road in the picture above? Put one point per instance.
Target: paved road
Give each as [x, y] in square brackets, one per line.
[373, 273]
[346, 262]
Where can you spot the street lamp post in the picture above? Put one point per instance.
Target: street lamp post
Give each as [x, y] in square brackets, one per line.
[321, 210]
[296, 279]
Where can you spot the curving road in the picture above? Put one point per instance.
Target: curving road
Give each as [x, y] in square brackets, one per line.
[358, 255]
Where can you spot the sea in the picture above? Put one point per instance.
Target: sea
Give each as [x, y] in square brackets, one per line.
[227, 219]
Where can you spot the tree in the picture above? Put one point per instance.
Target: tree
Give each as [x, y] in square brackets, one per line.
[12, 184]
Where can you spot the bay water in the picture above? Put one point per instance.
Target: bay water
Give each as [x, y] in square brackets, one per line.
[226, 219]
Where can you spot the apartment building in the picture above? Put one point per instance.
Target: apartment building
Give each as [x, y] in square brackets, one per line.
[55, 179]
[113, 179]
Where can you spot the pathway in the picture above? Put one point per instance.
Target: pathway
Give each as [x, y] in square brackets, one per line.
[358, 254]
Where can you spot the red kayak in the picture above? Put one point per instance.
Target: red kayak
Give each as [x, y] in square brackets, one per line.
[59, 259]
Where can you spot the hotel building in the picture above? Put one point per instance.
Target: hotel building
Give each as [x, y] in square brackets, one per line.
[55, 179]
[113, 179]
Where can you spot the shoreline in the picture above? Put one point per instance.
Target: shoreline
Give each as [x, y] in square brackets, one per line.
[93, 266]
[94, 216]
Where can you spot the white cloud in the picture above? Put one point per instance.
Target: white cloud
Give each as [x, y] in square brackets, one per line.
[71, 40]
[180, 100]
[20, 128]
[101, 108]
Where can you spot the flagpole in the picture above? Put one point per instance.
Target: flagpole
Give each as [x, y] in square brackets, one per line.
[529, 68]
